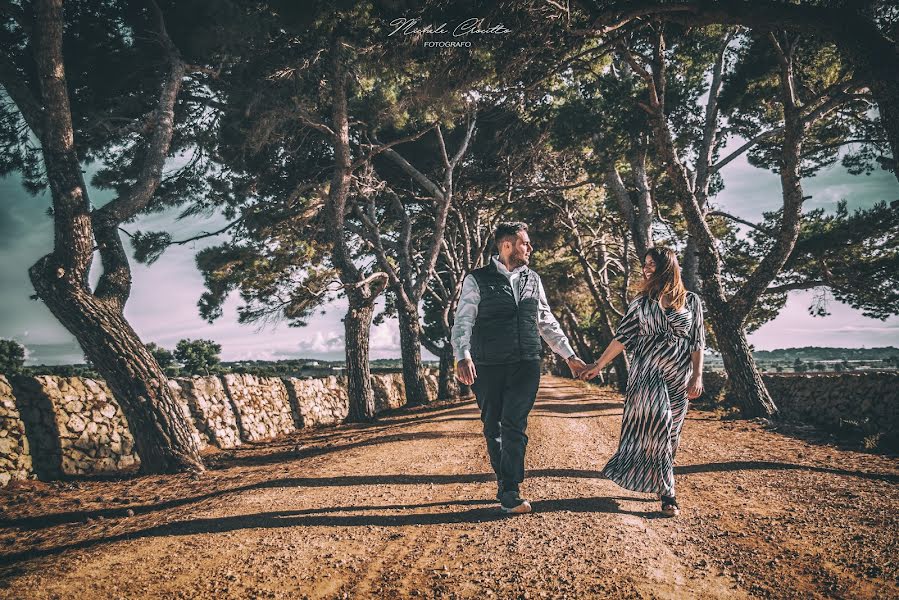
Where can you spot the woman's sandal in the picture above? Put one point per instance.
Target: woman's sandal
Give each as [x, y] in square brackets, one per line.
[669, 506]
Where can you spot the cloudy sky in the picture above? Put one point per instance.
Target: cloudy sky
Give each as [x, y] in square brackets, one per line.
[163, 302]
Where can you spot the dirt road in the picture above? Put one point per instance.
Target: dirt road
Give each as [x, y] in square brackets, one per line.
[405, 508]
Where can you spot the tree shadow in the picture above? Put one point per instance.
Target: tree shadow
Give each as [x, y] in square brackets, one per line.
[298, 451]
[44, 521]
[764, 465]
[576, 416]
[571, 408]
[323, 517]
[848, 437]
[561, 398]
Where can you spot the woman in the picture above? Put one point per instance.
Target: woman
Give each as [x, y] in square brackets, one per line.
[664, 335]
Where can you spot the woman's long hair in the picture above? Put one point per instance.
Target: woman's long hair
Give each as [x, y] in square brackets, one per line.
[666, 280]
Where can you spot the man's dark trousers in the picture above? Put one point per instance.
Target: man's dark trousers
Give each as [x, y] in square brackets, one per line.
[505, 395]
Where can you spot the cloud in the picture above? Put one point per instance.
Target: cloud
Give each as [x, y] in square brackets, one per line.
[163, 307]
[891, 328]
[322, 342]
[385, 338]
[65, 353]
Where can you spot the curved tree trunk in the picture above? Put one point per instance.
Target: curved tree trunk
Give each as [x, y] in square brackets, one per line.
[447, 385]
[745, 386]
[357, 327]
[161, 436]
[690, 269]
[60, 279]
[410, 347]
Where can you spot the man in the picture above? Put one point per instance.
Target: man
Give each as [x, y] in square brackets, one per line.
[502, 315]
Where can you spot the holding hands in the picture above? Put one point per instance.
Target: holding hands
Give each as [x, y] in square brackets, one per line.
[576, 365]
[591, 371]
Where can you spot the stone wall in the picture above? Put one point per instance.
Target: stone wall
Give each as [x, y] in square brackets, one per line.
[389, 390]
[15, 455]
[261, 406]
[74, 426]
[318, 402]
[210, 409]
[867, 403]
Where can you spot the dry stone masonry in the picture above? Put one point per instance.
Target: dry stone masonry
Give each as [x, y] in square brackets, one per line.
[52, 427]
[211, 410]
[91, 432]
[318, 402]
[15, 455]
[200, 438]
[867, 403]
[390, 392]
[261, 405]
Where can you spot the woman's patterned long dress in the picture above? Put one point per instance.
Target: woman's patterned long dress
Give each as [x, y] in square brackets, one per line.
[659, 342]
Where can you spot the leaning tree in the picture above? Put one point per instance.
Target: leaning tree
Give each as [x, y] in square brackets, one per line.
[813, 90]
[106, 83]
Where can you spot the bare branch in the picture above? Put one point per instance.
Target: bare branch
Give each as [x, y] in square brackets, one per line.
[439, 131]
[718, 213]
[802, 285]
[736, 153]
[463, 148]
[710, 126]
[385, 147]
[162, 126]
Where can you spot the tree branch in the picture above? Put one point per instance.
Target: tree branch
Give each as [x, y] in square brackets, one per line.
[149, 177]
[719, 213]
[801, 285]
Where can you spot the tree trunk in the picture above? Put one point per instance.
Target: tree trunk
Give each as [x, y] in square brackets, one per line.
[447, 385]
[410, 347]
[161, 436]
[745, 386]
[690, 270]
[748, 388]
[621, 362]
[357, 327]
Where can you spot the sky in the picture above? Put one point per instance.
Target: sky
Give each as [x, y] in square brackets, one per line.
[163, 303]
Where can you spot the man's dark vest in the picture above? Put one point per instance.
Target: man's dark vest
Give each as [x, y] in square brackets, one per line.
[505, 332]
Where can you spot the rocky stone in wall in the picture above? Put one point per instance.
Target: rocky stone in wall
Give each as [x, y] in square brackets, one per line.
[37, 414]
[200, 437]
[432, 377]
[93, 432]
[15, 454]
[389, 390]
[261, 405]
[318, 402]
[866, 403]
[211, 410]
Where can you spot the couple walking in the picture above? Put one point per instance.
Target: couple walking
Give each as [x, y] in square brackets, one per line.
[503, 313]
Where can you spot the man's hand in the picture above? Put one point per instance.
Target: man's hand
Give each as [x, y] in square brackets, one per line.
[694, 387]
[576, 365]
[590, 372]
[465, 371]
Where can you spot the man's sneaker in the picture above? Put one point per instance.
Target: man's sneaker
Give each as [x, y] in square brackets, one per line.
[512, 503]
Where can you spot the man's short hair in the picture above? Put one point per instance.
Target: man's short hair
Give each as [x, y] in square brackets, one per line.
[508, 230]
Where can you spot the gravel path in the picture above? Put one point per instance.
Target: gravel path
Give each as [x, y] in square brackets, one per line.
[404, 508]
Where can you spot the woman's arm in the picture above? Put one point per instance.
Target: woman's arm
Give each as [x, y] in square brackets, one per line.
[697, 347]
[694, 387]
[612, 350]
